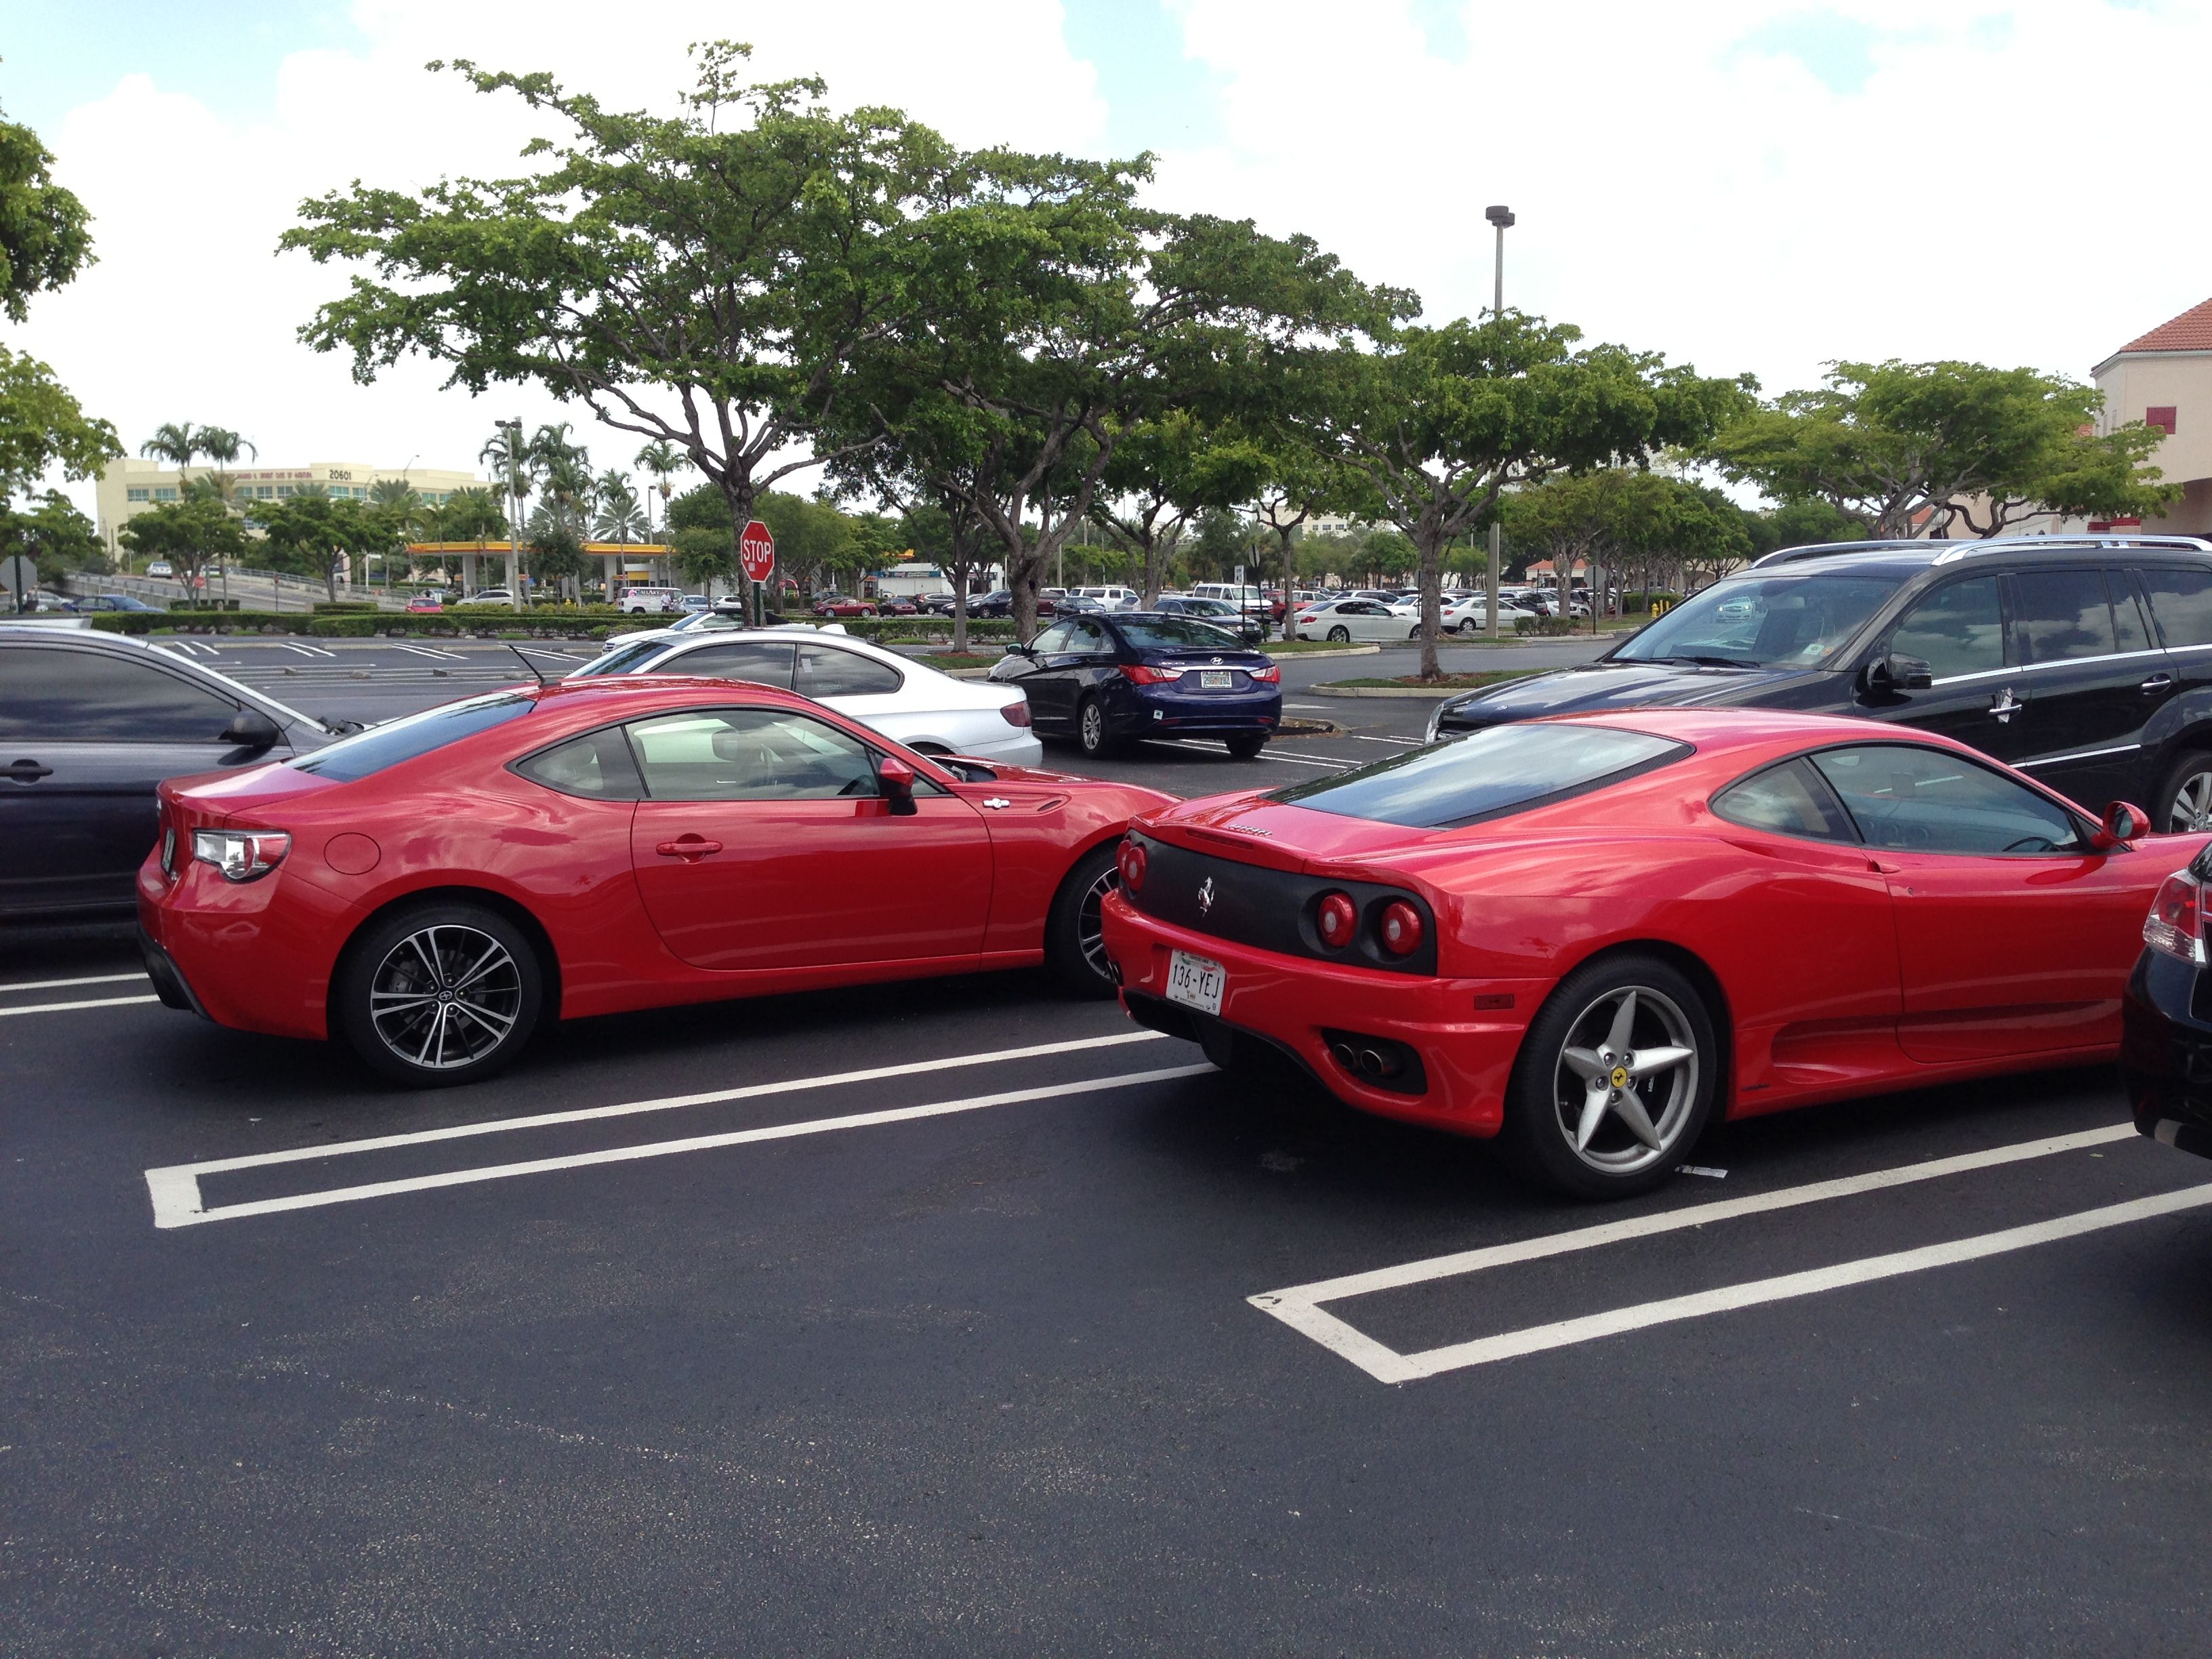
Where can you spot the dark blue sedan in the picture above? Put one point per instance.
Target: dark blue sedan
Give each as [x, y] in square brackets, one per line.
[1104, 678]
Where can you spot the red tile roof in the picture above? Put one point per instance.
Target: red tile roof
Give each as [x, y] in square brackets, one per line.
[2190, 331]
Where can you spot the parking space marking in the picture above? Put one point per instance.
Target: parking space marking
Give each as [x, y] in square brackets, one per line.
[431, 651]
[57, 984]
[539, 651]
[1403, 743]
[1299, 1306]
[1264, 754]
[665, 1103]
[63, 1007]
[306, 650]
[176, 1195]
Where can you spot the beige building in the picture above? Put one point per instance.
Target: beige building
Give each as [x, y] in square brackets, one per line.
[130, 486]
[2164, 379]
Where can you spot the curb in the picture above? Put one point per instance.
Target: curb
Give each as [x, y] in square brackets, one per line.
[1327, 690]
[1332, 651]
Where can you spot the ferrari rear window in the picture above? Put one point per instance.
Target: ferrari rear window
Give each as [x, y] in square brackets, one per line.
[1486, 774]
[370, 751]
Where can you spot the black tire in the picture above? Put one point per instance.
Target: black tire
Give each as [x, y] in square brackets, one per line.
[1339, 635]
[1247, 745]
[1073, 947]
[2182, 805]
[1090, 734]
[459, 1029]
[1611, 1159]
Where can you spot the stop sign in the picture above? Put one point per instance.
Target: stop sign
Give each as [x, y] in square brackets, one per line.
[758, 548]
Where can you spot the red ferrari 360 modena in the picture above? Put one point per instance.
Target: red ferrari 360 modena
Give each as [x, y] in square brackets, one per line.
[1590, 936]
[433, 888]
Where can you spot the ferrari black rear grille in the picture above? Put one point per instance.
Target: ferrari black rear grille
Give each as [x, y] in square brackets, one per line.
[1272, 909]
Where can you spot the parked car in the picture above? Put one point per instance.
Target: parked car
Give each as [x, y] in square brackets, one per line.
[161, 567]
[1564, 935]
[907, 701]
[89, 724]
[1111, 598]
[643, 601]
[694, 604]
[2077, 660]
[1470, 614]
[109, 602]
[1360, 621]
[2166, 1044]
[995, 606]
[840, 605]
[426, 603]
[688, 841]
[1219, 612]
[1104, 678]
[487, 596]
[898, 605]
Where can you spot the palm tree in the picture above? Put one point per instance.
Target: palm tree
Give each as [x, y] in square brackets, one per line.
[660, 460]
[621, 518]
[176, 442]
[510, 460]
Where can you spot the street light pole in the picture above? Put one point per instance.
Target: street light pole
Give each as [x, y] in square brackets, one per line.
[514, 513]
[1500, 217]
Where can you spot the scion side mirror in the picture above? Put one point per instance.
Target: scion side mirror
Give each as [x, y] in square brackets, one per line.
[2122, 824]
[895, 778]
[250, 728]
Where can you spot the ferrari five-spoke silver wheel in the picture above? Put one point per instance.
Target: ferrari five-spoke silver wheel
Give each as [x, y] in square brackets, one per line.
[445, 996]
[1625, 1082]
[2190, 811]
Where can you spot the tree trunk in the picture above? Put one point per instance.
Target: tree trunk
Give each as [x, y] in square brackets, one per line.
[1430, 541]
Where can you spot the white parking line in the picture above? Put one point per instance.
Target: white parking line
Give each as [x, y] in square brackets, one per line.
[63, 1007]
[176, 1195]
[565, 656]
[306, 650]
[1406, 742]
[1299, 1307]
[1264, 754]
[431, 651]
[57, 984]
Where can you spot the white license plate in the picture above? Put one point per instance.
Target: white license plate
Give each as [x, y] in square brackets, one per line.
[1215, 679]
[1196, 982]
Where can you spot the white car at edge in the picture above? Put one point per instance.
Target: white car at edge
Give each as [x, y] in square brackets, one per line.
[907, 701]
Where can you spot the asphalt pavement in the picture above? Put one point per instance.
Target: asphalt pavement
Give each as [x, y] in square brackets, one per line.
[958, 1317]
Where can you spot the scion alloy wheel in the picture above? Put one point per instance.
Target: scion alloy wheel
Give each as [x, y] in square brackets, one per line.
[1625, 1082]
[1075, 927]
[1091, 921]
[445, 997]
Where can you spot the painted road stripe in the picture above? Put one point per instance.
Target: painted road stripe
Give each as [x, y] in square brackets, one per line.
[427, 651]
[63, 1007]
[176, 1195]
[668, 1103]
[1299, 1307]
[1408, 743]
[1269, 753]
[57, 984]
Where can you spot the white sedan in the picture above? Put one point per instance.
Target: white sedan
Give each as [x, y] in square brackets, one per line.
[907, 701]
[1365, 621]
[1469, 613]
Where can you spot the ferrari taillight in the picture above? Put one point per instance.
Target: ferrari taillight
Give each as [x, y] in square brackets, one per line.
[1336, 918]
[1133, 862]
[1401, 928]
[2176, 923]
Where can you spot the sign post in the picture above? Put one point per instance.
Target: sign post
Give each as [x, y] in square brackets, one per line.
[756, 552]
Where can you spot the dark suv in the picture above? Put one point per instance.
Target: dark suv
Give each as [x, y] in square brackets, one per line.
[89, 723]
[2086, 662]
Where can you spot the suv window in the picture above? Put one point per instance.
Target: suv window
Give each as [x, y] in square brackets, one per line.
[1790, 800]
[1927, 800]
[764, 662]
[1486, 774]
[2059, 614]
[826, 671]
[1957, 629]
[2181, 600]
[101, 696]
[749, 754]
[2128, 628]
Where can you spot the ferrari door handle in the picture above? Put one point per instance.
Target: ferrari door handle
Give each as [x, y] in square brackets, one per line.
[28, 771]
[688, 846]
[2156, 683]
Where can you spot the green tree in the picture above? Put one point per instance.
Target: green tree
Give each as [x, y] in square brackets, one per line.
[704, 536]
[1441, 421]
[1166, 469]
[509, 456]
[316, 534]
[55, 534]
[1911, 448]
[190, 535]
[699, 279]
[621, 517]
[663, 461]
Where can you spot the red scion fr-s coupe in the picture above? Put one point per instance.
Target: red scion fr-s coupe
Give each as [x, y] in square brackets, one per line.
[1591, 936]
[433, 888]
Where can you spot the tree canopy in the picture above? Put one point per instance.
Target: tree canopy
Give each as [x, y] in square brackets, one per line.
[1914, 448]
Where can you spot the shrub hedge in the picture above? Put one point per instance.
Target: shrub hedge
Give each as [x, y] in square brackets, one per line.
[447, 624]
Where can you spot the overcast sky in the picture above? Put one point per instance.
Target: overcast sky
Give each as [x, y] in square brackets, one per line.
[1738, 184]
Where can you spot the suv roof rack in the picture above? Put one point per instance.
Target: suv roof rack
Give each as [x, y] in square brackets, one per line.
[1957, 549]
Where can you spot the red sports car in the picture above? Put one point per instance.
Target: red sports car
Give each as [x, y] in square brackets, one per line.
[433, 888]
[843, 608]
[1590, 936]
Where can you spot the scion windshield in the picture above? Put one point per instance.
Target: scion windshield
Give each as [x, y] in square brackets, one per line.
[1771, 622]
[1486, 774]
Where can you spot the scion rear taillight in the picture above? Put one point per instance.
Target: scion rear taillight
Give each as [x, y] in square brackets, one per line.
[1400, 929]
[241, 854]
[1132, 863]
[1017, 713]
[1336, 919]
[2175, 926]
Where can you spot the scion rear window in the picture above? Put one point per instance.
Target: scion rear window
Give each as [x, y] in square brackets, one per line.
[371, 752]
[1486, 774]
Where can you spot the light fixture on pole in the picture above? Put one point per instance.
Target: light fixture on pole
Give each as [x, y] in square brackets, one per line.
[514, 511]
[1500, 216]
